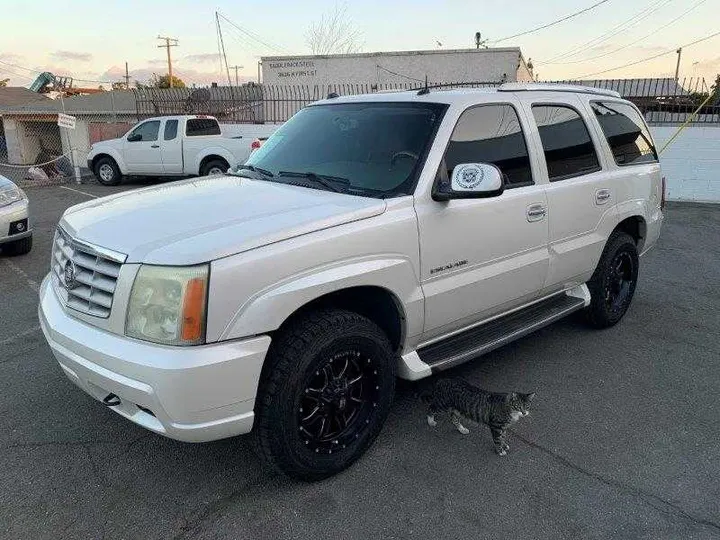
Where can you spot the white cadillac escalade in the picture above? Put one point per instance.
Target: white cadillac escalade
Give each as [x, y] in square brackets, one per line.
[370, 237]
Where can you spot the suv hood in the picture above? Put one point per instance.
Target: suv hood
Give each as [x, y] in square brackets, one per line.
[203, 219]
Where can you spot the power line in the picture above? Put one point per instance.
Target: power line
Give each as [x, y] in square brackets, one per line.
[252, 35]
[669, 51]
[628, 23]
[636, 41]
[553, 23]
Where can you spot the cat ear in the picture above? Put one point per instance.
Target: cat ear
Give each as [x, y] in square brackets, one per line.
[530, 396]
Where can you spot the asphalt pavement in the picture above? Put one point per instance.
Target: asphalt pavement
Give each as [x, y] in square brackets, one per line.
[623, 441]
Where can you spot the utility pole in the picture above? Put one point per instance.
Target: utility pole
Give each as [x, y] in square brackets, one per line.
[677, 67]
[127, 77]
[237, 80]
[169, 42]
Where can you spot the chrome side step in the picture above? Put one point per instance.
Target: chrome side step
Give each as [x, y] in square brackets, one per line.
[480, 340]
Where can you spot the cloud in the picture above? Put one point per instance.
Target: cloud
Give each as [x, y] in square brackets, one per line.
[189, 76]
[70, 56]
[11, 57]
[201, 58]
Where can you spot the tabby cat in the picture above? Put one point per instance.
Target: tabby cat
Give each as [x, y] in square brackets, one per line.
[497, 410]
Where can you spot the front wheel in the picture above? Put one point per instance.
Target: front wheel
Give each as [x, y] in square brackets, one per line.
[612, 286]
[326, 391]
[107, 172]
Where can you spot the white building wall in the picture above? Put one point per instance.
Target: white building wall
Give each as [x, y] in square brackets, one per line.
[466, 65]
[691, 164]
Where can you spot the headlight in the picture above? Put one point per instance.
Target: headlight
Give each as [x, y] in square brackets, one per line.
[168, 304]
[11, 194]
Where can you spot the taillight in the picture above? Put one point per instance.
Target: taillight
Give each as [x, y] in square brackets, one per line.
[662, 195]
[255, 144]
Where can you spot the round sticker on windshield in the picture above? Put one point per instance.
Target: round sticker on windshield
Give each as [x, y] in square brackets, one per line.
[469, 176]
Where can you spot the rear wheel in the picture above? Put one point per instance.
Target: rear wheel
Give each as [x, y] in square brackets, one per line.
[107, 172]
[18, 247]
[214, 167]
[326, 391]
[612, 286]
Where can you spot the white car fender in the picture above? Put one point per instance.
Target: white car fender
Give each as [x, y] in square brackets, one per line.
[112, 148]
[266, 310]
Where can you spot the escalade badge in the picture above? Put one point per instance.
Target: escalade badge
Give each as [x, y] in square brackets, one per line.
[69, 275]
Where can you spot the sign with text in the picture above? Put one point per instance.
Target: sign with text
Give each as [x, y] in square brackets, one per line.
[66, 121]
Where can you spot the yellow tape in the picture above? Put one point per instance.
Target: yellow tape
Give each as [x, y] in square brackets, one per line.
[688, 121]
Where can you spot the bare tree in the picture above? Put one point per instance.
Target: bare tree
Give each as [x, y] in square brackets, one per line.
[334, 33]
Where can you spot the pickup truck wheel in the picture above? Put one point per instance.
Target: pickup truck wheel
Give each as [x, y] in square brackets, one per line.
[213, 167]
[107, 172]
[326, 391]
[18, 247]
[613, 284]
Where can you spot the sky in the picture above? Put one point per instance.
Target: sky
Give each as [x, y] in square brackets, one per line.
[92, 40]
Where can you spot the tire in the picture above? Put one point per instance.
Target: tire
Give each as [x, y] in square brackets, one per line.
[214, 167]
[18, 247]
[613, 283]
[297, 393]
[107, 172]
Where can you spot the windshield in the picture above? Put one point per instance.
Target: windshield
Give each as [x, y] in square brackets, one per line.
[371, 149]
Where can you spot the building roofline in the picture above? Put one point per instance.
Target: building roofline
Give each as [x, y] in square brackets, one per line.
[391, 53]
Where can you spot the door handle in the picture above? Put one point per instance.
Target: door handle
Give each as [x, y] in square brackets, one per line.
[536, 212]
[602, 196]
[155, 146]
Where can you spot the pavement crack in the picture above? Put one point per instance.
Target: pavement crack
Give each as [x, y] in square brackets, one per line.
[658, 503]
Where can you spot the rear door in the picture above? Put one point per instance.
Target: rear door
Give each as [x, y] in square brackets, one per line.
[481, 257]
[142, 149]
[172, 154]
[579, 192]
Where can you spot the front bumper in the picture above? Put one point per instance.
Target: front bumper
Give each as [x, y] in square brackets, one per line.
[10, 215]
[192, 394]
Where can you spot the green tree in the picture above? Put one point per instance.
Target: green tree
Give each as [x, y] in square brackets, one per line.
[716, 91]
[4, 82]
[164, 82]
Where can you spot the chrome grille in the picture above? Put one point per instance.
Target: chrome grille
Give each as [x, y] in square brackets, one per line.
[84, 278]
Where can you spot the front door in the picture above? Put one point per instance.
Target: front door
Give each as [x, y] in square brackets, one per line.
[481, 257]
[142, 149]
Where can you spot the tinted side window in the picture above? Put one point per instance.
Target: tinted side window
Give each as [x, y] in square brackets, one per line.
[171, 129]
[202, 126]
[147, 131]
[626, 133]
[568, 148]
[491, 134]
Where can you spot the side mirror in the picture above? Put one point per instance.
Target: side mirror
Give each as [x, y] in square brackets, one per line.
[470, 181]
[134, 137]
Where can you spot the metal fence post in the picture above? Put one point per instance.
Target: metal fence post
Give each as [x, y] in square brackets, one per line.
[73, 161]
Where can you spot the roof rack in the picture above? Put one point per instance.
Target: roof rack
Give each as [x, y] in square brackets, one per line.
[551, 87]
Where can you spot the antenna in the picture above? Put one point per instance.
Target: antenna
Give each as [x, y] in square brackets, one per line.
[426, 89]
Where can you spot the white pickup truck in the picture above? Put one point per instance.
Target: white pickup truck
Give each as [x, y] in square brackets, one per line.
[168, 146]
[370, 236]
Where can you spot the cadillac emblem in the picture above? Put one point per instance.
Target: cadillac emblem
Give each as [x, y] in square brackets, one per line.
[69, 275]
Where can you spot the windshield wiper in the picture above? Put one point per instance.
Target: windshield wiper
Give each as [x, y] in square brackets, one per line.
[322, 179]
[254, 169]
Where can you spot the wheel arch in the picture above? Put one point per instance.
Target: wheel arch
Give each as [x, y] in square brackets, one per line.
[211, 154]
[108, 154]
[636, 227]
[376, 303]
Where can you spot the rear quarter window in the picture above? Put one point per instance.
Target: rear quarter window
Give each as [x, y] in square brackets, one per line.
[197, 127]
[626, 133]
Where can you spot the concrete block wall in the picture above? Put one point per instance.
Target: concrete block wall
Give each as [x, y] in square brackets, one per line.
[691, 164]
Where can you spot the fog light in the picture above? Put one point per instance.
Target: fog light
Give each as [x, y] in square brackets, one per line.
[20, 227]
